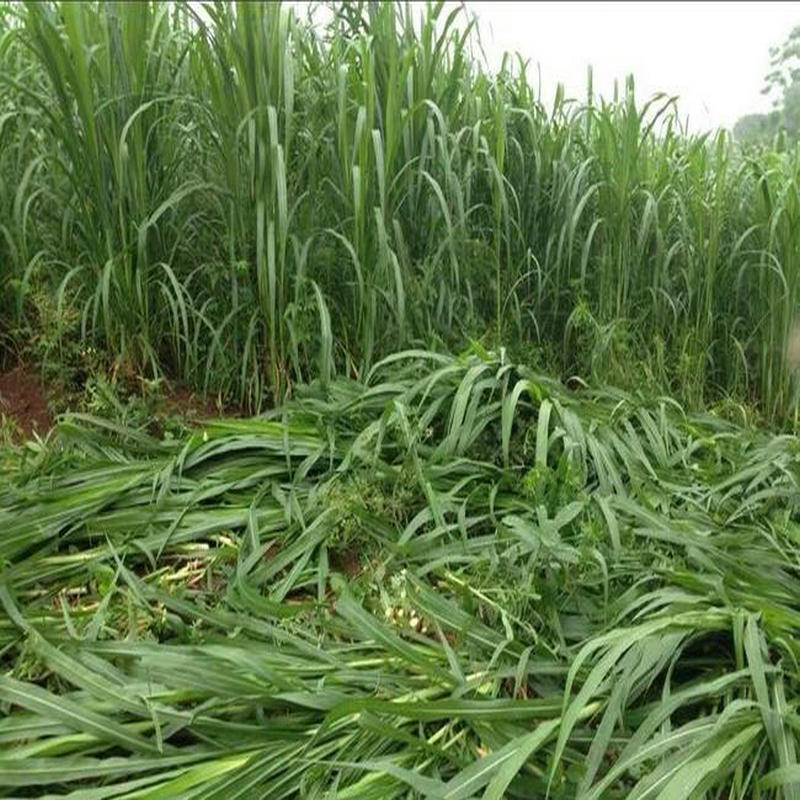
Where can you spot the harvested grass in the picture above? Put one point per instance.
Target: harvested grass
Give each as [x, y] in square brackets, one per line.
[593, 595]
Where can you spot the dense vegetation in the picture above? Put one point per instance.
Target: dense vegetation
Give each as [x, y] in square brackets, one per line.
[226, 197]
[415, 575]
[456, 582]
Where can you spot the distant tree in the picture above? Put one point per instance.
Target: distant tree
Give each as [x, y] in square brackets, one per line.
[783, 84]
[790, 110]
[784, 67]
[757, 128]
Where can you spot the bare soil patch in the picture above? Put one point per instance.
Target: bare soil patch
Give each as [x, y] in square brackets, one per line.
[23, 400]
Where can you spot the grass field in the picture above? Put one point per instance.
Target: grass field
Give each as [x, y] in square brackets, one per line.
[254, 194]
[561, 563]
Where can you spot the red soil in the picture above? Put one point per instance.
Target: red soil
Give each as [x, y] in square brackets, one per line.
[22, 399]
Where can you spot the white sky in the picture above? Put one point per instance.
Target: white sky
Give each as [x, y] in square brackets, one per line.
[713, 55]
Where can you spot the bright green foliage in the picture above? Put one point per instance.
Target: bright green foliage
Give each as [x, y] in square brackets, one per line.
[419, 576]
[232, 197]
[455, 581]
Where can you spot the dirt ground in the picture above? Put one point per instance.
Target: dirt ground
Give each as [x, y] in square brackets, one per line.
[22, 399]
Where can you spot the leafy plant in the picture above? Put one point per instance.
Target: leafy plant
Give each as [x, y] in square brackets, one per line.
[604, 606]
[240, 200]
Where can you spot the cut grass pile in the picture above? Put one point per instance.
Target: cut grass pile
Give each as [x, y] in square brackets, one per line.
[458, 581]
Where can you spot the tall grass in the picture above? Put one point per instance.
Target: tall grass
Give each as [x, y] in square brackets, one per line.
[20, 191]
[240, 194]
[112, 105]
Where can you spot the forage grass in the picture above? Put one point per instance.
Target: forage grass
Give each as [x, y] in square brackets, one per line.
[230, 194]
[416, 575]
[454, 580]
